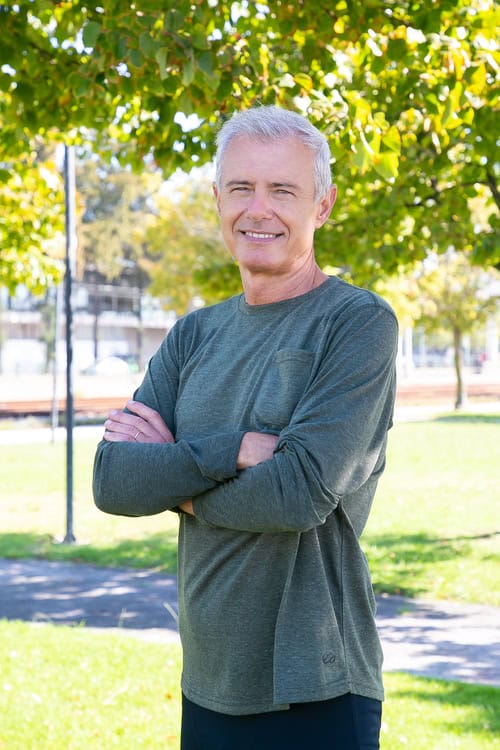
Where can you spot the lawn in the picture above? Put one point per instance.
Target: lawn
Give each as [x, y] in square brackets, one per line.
[33, 513]
[78, 689]
[433, 531]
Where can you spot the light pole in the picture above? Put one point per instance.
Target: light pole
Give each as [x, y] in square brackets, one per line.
[70, 259]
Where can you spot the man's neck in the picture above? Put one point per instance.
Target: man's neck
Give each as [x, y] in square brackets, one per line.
[264, 289]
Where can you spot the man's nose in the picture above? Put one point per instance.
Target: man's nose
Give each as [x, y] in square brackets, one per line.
[259, 206]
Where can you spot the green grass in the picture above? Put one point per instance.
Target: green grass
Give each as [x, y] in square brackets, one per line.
[77, 689]
[433, 531]
[33, 513]
[424, 714]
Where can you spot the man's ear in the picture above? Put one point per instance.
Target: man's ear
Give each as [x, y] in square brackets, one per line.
[325, 206]
[217, 196]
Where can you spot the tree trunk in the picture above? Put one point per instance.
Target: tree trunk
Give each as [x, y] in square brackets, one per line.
[461, 395]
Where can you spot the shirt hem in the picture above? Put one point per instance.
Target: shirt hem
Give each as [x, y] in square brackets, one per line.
[284, 699]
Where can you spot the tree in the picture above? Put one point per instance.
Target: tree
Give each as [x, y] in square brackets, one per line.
[116, 208]
[188, 261]
[456, 296]
[31, 225]
[407, 94]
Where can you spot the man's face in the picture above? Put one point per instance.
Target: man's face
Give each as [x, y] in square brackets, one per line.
[266, 204]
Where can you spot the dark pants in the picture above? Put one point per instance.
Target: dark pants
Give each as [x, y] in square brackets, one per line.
[349, 722]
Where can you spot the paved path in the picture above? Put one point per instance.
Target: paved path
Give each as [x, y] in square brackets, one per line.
[445, 640]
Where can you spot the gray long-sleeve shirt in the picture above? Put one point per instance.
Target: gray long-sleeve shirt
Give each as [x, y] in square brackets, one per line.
[275, 597]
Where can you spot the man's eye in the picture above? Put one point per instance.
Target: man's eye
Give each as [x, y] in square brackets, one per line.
[240, 189]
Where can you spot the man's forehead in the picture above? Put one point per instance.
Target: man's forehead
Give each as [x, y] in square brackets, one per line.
[284, 160]
[242, 143]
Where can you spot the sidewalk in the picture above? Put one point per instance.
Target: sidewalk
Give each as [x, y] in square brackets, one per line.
[445, 640]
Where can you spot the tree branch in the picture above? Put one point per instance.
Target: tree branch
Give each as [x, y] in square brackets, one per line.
[493, 187]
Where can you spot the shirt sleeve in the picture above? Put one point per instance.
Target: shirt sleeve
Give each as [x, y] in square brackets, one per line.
[135, 479]
[334, 444]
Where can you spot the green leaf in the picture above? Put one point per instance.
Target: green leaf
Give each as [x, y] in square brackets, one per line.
[392, 139]
[304, 81]
[387, 164]
[205, 63]
[396, 49]
[174, 20]
[360, 157]
[171, 84]
[199, 37]
[478, 79]
[225, 88]
[5, 82]
[378, 64]
[188, 72]
[433, 103]
[25, 92]
[82, 86]
[91, 32]
[449, 118]
[161, 59]
[135, 57]
[147, 44]
[6, 53]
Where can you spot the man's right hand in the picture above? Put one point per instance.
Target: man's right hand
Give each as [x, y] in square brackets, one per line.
[255, 448]
[143, 425]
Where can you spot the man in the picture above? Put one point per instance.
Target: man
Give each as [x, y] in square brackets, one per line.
[263, 420]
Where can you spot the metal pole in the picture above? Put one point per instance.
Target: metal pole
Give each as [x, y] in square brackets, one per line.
[54, 421]
[69, 191]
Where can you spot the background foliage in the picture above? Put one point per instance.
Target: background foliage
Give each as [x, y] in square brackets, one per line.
[406, 93]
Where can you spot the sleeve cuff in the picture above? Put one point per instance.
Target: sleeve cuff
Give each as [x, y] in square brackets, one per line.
[217, 455]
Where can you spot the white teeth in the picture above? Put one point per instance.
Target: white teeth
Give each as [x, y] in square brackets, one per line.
[260, 235]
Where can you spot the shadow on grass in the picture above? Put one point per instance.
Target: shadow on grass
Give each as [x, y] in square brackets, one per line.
[482, 701]
[402, 564]
[154, 551]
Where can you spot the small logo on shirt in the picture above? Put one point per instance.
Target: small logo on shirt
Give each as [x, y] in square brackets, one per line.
[328, 658]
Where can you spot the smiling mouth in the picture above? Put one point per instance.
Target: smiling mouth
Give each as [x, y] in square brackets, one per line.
[261, 235]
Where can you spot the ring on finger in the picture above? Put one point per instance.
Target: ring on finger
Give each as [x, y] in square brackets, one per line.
[137, 434]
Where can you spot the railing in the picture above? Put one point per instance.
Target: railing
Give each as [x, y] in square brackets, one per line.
[416, 393]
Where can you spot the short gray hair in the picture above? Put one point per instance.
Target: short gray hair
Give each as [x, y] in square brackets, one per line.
[272, 123]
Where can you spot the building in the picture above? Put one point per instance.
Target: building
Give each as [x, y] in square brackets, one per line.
[109, 321]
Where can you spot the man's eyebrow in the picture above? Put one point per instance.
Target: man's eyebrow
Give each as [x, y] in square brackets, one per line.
[288, 185]
[238, 182]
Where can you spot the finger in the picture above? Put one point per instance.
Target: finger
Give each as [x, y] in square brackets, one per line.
[132, 422]
[117, 437]
[152, 417]
[127, 426]
[137, 429]
[122, 417]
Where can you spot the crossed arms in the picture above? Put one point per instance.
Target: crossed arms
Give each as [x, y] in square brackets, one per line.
[142, 424]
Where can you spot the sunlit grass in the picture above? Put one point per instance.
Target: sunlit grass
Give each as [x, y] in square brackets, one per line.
[33, 513]
[79, 689]
[434, 530]
[423, 714]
